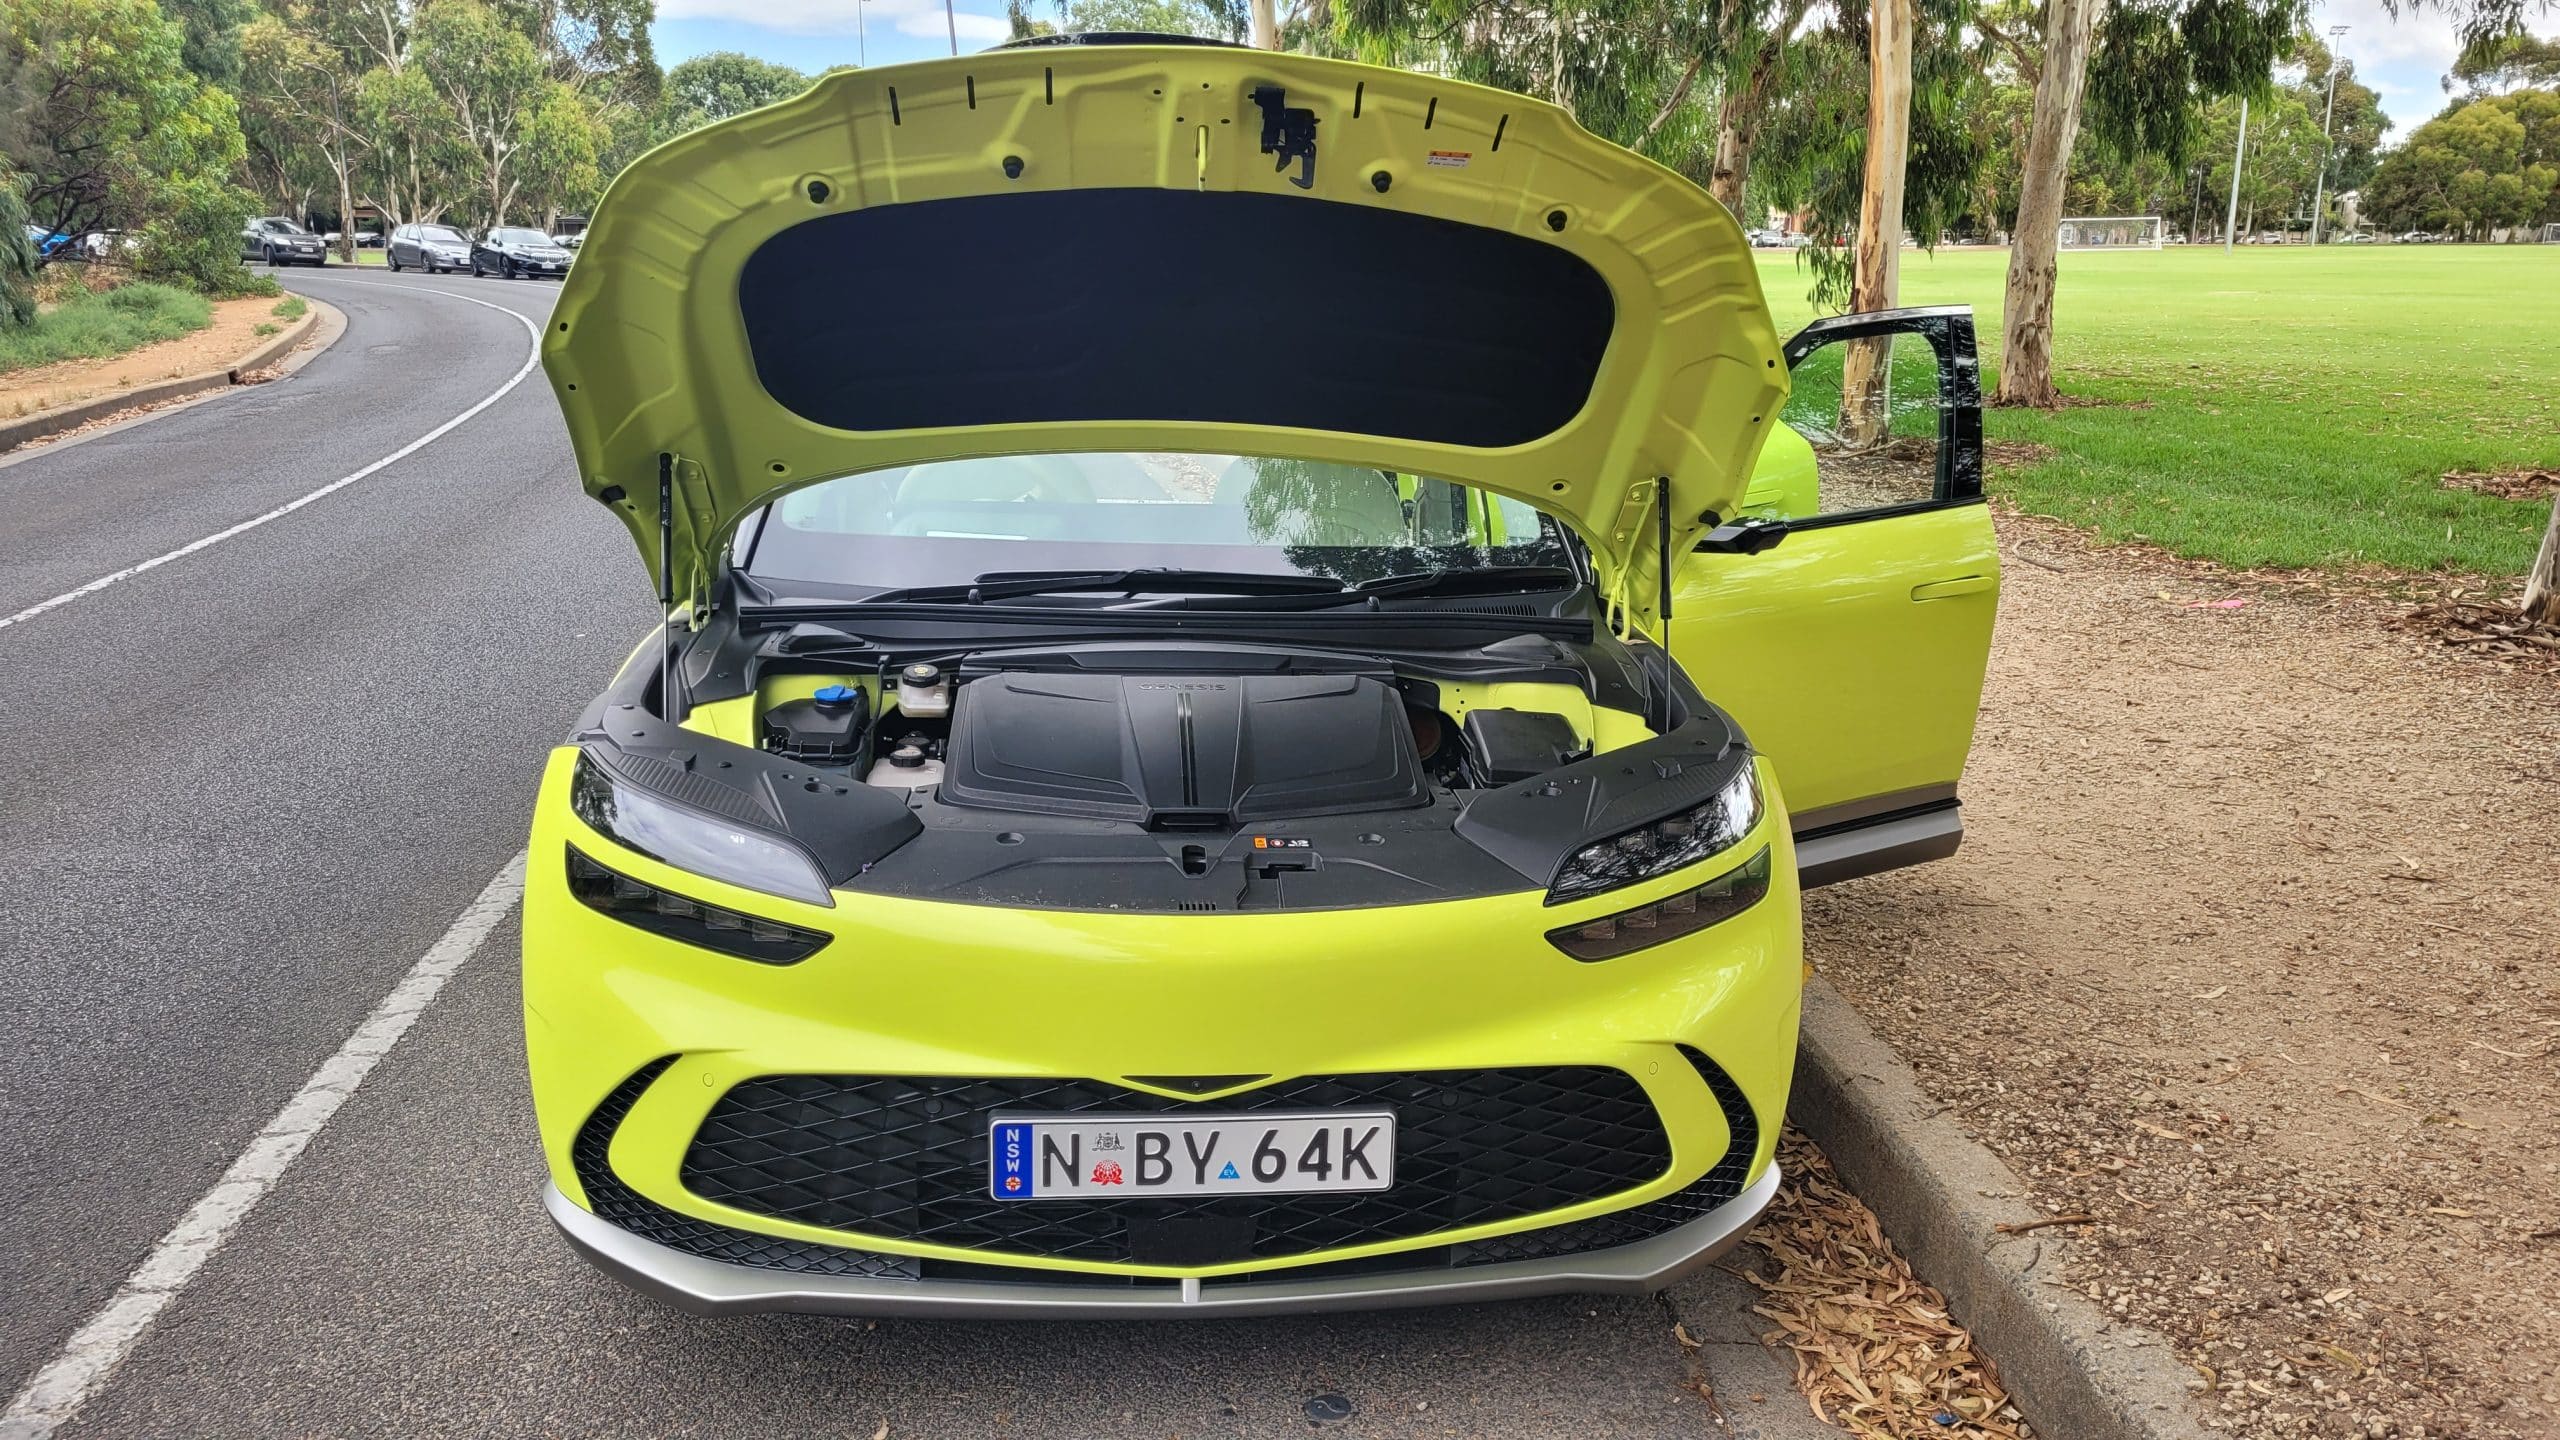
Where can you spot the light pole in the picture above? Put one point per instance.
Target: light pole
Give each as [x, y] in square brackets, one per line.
[2239, 153]
[2320, 190]
[861, 41]
[952, 24]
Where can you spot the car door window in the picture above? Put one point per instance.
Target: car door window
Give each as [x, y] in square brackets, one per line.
[1883, 417]
[1872, 424]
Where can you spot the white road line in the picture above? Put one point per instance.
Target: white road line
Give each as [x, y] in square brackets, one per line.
[61, 1388]
[533, 357]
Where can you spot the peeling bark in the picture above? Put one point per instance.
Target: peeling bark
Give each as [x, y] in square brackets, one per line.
[2542, 583]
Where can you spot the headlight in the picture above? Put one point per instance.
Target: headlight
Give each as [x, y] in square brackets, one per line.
[1670, 917]
[682, 918]
[690, 840]
[1665, 845]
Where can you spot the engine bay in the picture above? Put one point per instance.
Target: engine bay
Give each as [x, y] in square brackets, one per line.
[1193, 777]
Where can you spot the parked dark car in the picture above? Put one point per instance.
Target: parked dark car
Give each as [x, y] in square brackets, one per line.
[432, 248]
[510, 251]
[279, 241]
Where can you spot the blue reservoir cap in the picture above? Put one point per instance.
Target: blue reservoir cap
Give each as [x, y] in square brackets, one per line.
[835, 694]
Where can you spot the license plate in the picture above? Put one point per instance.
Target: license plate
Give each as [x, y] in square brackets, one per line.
[1033, 1157]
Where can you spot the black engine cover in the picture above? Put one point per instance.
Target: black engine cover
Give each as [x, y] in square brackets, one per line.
[1171, 752]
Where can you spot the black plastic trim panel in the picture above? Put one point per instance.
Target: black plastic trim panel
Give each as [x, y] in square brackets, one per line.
[618, 1203]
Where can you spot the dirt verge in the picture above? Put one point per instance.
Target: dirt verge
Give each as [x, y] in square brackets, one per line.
[233, 333]
[2250, 957]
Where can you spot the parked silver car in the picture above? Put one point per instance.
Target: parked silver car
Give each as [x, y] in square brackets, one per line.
[432, 248]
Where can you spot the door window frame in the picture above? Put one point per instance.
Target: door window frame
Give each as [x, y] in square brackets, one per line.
[1949, 331]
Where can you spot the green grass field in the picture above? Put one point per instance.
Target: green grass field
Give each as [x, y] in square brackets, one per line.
[2279, 406]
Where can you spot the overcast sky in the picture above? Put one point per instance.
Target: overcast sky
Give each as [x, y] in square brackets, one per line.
[2404, 60]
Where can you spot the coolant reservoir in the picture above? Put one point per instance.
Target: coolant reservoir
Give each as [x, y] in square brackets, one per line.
[924, 692]
[905, 768]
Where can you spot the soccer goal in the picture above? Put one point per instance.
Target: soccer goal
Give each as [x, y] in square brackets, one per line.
[2111, 232]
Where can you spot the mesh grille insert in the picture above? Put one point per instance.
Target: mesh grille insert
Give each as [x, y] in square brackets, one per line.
[613, 1201]
[1654, 1217]
[906, 1157]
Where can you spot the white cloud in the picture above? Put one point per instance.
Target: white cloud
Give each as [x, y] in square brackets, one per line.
[920, 18]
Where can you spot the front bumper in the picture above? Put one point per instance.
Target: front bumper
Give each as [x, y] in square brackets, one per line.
[634, 1040]
[709, 1287]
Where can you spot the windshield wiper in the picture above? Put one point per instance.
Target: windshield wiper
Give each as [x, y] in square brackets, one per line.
[1013, 584]
[1504, 580]
[1436, 584]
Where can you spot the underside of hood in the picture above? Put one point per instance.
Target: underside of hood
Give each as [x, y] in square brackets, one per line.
[1164, 248]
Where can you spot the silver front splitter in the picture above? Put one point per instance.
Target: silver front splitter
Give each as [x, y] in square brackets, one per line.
[710, 1287]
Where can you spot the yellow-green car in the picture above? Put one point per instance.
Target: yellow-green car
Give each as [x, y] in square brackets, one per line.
[1258, 653]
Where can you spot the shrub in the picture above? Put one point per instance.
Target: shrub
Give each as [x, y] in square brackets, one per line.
[17, 256]
[195, 239]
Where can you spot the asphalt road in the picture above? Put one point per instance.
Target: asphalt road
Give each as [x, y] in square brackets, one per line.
[243, 791]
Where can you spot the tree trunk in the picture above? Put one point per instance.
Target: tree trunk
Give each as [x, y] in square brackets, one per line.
[346, 213]
[2026, 343]
[1731, 162]
[1266, 24]
[1866, 375]
[1744, 109]
[2542, 583]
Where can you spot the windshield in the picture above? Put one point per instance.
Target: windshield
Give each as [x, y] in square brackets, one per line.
[286, 227]
[519, 237]
[953, 520]
[440, 232]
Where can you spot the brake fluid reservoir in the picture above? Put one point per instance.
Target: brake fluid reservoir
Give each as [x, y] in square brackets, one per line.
[924, 692]
[905, 768]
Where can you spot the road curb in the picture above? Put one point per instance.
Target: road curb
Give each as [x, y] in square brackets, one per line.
[45, 423]
[2072, 1371]
[279, 345]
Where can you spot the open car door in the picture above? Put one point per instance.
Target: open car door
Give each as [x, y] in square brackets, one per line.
[1844, 617]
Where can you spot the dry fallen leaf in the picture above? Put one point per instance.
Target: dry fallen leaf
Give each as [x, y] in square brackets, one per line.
[1876, 1351]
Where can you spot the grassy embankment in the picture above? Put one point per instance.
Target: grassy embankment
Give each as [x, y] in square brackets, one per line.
[89, 326]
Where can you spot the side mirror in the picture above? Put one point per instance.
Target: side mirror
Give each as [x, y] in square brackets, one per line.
[1743, 537]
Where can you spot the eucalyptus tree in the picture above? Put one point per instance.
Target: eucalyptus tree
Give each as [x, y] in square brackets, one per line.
[301, 87]
[1627, 69]
[492, 81]
[2157, 63]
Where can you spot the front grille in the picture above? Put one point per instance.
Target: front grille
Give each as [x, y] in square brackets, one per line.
[906, 1158]
[613, 1201]
[617, 1203]
[1654, 1217]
